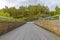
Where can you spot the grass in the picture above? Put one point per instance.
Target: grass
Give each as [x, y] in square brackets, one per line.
[7, 24]
[51, 25]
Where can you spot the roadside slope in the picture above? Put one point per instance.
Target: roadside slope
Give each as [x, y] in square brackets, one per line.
[29, 31]
[6, 26]
[51, 25]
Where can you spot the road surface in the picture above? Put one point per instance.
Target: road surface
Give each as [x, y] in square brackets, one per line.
[29, 31]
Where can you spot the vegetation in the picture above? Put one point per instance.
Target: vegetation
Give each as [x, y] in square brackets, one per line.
[50, 25]
[30, 12]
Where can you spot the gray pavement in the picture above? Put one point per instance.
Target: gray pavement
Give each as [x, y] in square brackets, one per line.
[29, 31]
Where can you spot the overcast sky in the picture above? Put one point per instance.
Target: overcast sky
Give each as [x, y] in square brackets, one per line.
[11, 3]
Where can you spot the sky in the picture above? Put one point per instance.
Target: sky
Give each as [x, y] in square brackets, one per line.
[16, 3]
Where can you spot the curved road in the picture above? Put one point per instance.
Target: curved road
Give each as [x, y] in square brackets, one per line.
[29, 31]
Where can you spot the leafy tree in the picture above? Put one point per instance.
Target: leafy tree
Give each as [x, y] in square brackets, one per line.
[25, 13]
[2, 13]
[57, 10]
[7, 14]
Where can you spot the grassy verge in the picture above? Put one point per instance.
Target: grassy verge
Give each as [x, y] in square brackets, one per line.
[52, 25]
[6, 26]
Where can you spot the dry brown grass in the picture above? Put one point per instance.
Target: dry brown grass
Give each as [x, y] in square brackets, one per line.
[52, 25]
[8, 26]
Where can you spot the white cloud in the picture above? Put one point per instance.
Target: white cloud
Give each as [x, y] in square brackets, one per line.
[50, 3]
[10, 3]
[2, 3]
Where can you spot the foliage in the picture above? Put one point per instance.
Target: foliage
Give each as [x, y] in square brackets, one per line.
[32, 11]
[57, 10]
[1, 13]
[7, 14]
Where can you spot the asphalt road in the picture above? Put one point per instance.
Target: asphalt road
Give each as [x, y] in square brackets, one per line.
[29, 31]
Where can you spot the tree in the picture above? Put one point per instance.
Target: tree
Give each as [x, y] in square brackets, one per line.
[7, 14]
[2, 13]
[12, 11]
[57, 10]
[22, 11]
